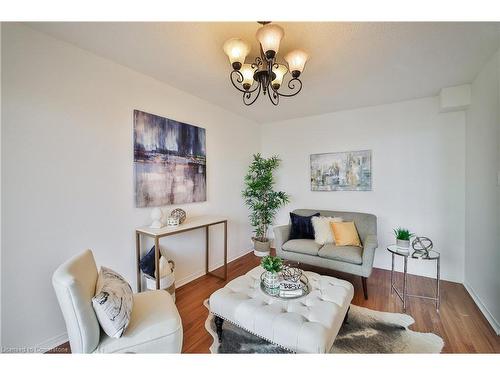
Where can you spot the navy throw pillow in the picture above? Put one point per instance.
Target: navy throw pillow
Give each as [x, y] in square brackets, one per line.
[147, 263]
[302, 227]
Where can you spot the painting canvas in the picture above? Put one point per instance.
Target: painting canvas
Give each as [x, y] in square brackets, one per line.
[169, 161]
[339, 171]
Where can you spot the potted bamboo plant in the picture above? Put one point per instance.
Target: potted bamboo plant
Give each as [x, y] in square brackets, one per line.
[262, 200]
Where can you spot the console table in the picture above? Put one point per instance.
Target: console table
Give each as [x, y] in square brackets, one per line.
[188, 225]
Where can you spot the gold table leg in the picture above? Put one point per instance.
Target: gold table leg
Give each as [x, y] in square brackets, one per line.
[207, 241]
[138, 258]
[225, 253]
[157, 261]
[225, 250]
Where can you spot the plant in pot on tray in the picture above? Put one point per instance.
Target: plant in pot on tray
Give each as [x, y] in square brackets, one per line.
[262, 200]
[403, 236]
[272, 265]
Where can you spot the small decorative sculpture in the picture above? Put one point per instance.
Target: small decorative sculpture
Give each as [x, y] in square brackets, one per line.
[179, 213]
[156, 216]
[421, 246]
[292, 274]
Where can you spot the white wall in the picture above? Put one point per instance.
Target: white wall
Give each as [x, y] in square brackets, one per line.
[418, 172]
[0, 183]
[482, 230]
[67, 173]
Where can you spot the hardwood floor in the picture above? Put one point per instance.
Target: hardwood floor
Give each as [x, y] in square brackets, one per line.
[459, 321]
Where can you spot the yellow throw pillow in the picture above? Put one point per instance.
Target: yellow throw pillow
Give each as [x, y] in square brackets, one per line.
[345, 234]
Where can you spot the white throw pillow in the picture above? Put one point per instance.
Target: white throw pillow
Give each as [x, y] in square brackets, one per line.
[112, 302]
[322, 230]
[165, 268]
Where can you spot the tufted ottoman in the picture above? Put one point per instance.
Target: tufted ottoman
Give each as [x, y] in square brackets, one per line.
[304, 325]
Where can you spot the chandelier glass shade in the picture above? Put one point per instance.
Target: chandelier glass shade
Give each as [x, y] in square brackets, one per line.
[237, 50]
[265, 75]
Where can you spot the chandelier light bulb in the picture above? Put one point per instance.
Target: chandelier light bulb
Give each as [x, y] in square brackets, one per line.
[269, 37]
[247, 72]
[296, 60]
[280, 72]
[237, 50]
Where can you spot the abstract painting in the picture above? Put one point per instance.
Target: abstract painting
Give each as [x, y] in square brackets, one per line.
[340, 171]
[169, 161]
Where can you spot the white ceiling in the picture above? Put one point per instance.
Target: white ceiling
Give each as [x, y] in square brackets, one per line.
[351, 64]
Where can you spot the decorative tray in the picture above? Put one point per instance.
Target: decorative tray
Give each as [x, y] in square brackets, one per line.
[304, 289]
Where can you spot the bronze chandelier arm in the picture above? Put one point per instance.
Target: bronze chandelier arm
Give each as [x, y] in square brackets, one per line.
[239, 79]
[248, 95]
[274, 97]
[292, 84]
[258, 62]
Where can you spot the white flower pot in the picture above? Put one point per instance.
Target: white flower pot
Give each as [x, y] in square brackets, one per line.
[403, 244]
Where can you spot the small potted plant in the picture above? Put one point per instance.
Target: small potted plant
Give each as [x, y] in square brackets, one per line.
[273, 266]
[403, 236]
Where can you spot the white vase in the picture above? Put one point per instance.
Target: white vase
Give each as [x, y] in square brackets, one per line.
[271, 280]
[156, 216]
[403, 244]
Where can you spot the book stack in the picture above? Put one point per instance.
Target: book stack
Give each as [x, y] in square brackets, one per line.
[290, 293]
[290, 289]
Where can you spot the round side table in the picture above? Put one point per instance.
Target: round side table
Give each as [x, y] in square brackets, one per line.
[432, 255]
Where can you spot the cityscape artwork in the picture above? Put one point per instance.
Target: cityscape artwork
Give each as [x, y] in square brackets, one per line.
[169, 161]
[340, 171]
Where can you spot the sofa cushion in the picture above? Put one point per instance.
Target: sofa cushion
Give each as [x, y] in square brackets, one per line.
[155, 326]
[301, 226]
[302, 246]
[345, 234]
[147, 263]
[349, 254]
[323, 232]
[113, 302]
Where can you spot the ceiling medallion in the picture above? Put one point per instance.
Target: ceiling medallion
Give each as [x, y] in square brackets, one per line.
[265, 74]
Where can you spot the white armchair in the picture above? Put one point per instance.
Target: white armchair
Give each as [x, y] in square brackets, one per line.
[155, 325]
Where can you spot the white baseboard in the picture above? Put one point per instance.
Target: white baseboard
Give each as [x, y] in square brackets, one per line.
[53, 342]
[489, 317]
[195, 275]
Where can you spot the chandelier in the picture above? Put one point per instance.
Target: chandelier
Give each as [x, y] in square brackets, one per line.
[265, 74]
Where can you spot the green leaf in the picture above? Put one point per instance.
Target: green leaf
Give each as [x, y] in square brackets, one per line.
[272, 264]
[403, 234]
